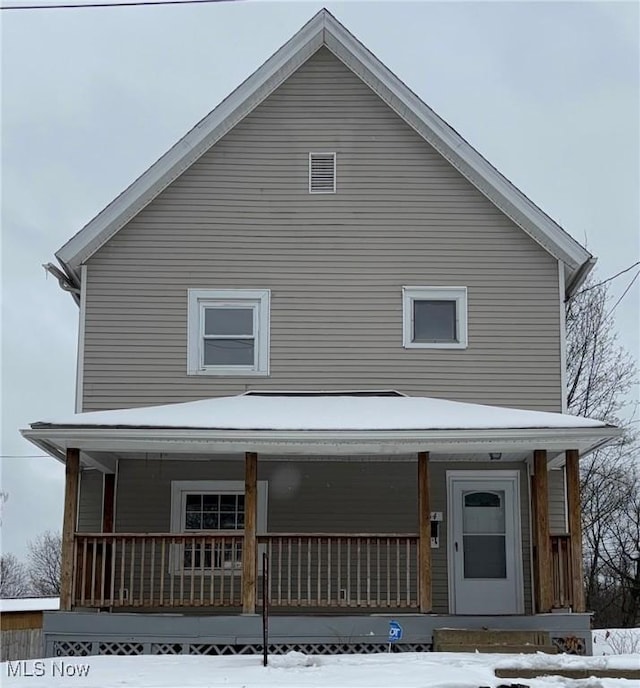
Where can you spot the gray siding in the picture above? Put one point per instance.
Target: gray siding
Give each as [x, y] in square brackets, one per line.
[242, 217]
[314, 496]
[90, 502]
[557, 512]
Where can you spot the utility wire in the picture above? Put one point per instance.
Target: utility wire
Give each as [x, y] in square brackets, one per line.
[120, 3]
[599, 284]
[624, 293]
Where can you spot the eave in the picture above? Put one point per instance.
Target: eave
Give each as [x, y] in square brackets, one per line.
[189, 442]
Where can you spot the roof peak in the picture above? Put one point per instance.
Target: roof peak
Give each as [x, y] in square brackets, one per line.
[323, 29]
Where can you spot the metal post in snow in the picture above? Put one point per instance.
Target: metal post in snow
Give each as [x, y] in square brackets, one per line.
[265, 608]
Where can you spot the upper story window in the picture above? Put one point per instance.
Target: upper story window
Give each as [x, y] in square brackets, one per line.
[434, 317]
[322, 172]
[228, 332]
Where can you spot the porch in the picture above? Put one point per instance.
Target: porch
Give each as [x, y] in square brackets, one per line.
[424, 508]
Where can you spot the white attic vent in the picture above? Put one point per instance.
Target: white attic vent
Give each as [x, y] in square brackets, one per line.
[322, 172]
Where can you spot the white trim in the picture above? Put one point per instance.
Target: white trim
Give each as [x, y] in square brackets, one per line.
[324, 29]
[81, 329]
[335, 172]
[54, 441]
[486, 476]
[257, 299]
[529, 473]
[455, 294]
[563, 338]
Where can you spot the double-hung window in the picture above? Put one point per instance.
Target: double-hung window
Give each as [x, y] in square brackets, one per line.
[434, 317]
[213, 512]
[228, 332]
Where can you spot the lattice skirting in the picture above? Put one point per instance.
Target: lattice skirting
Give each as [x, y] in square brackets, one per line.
[75, 648]
[571, 644]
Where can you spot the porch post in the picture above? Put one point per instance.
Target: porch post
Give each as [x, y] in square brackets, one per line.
[572, 474]
[424, 534]
[540, 494]
[249, 553]
[72, 470]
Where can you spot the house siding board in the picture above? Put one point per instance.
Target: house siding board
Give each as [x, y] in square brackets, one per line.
[325, 496]
[557, 501]
[242, 217]
[90, 502]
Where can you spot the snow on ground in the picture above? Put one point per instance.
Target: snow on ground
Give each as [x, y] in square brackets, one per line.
[29, 604]
[396, 670]
[616, 641]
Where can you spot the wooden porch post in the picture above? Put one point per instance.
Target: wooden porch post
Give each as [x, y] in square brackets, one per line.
[249, 553]
[572, 474]
[424, 531]
[72, 470]
[540, 494]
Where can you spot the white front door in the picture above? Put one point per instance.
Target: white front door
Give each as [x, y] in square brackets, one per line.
[485, 554]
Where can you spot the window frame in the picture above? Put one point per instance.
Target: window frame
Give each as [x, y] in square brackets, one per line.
[455, 294]
[335, 172]
[259, 300]
[180, 489]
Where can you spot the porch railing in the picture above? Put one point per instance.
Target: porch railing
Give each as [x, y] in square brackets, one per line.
[561, 571]
[376, 570]
[184, 570]
[157, 570]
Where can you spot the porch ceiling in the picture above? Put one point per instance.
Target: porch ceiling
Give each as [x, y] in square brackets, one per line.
[319, 424]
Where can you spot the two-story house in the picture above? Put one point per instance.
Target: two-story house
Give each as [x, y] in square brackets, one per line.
[321, 336]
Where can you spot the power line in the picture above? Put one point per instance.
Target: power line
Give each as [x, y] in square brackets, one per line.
[120, 3]
[599, 284]
[624, 293]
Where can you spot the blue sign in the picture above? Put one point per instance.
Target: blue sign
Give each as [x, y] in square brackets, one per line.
[395, 631]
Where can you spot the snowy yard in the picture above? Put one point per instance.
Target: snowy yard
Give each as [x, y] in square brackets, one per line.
[401, 670]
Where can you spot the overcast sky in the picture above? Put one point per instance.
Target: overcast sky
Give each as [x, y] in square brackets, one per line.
[548, 92]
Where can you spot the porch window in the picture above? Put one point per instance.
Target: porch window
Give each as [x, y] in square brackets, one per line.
[434, 317]
[212, 508]
[228, 332]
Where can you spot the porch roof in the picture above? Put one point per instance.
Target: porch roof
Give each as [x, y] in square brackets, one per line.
[319, 423]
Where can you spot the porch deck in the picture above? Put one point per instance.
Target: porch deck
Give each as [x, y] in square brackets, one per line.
[92, 633]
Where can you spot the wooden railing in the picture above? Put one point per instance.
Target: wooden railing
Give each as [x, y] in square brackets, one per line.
[157, 570]
[342, 570]
[561, 571]
[181, 570]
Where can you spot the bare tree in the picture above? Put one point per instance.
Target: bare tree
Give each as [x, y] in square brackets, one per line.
[600, 375]
[14, 581]
[43, 563]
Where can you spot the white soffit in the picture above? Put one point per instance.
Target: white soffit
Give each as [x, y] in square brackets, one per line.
[324, 29]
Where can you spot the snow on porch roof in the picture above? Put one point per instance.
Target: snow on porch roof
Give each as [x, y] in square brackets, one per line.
[322, 411]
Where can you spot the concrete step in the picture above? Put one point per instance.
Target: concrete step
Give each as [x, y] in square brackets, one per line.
[488, 636]
[500, 649]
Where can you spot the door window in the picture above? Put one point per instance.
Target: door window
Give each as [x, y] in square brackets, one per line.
[484, 534]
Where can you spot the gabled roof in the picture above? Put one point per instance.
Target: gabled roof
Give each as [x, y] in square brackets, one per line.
[324, 30]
